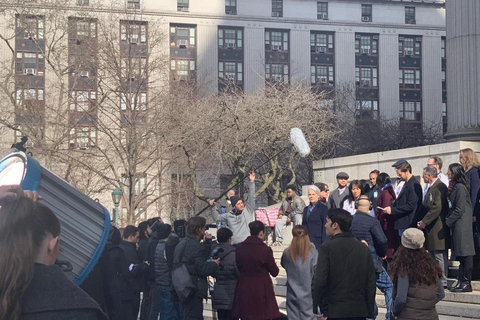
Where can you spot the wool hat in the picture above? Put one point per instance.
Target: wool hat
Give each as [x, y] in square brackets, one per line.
[234, 200]
[342, 175]
[164, 230]
[399, 163]
[413, 238]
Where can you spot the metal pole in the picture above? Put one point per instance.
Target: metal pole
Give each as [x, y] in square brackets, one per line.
[115, 215]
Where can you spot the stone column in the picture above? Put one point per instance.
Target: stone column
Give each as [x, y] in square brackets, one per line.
[463, 70]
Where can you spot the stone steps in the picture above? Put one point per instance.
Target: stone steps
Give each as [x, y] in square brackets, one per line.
[453, 306]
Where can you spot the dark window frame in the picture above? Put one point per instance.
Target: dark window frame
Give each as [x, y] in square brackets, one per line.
[24, 26]
[237, 40]
[277, 8]
[225, 75]
[414, 47]
[128, 32]
[77, 141]
[21, 65]
[282, 77]
[183, 5]
[284, 40]
[322, 10]
[367, 13]
[417, 81]
[316, 41]
[367, 106]
[417, 111]
[361, 44]
[360, 78]
[317, 72]
[231, 7]
[175, 36]
[410, 15]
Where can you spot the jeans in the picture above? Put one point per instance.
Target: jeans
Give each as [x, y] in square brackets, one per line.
[161, 303]
[384, 283]
[281, 223]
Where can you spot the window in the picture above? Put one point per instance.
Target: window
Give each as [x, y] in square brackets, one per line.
[82, 101]
[182, 36]
[182, 69]
[321, 42]
[139, 183]
[366, 44]
[409, 46]
[411, 111]
[133, 68]
[443, 45]
[182, 5]
[322, 75]
[133, 4]
[30, 27]
[231, 7]
[444, 117]
[410, 15]
[30, 63]
[133, 31]
[82, 28]
[133, 101]
[366, 76]
[34, 132]
[230, 38]
[276, 40]
[366, 109]
[83, 2]
[230, 71]
[24, 96]
[277, 8]
[322, 10]
[410, 78]
[366, 12]
[276, 72]
[444, 80]
[83, 137]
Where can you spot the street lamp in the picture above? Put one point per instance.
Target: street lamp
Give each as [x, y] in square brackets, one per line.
[116, 197]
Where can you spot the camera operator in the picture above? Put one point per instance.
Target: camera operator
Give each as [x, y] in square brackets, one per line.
[195, 254]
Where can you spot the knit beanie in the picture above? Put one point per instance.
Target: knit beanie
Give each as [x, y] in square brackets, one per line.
[413, 238]
[234, 200]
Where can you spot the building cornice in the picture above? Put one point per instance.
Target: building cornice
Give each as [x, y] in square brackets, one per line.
[228, 18]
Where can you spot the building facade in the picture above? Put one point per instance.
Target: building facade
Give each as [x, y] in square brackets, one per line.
[391, 53]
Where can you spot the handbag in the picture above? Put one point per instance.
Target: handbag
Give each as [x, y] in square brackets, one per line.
[181, 279]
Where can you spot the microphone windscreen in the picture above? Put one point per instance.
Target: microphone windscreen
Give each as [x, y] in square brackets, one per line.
[298, 140]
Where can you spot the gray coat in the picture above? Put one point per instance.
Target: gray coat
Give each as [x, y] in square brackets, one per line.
[226, 279]
[335, 200]
[238, 223]
[459, 219]
[297, 206]
[299, 285]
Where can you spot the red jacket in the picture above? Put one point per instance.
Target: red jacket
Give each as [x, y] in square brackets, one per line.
[387, 221]
[254, 295]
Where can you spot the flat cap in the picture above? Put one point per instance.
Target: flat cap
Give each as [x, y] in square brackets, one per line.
[399, 163]
[343, 175]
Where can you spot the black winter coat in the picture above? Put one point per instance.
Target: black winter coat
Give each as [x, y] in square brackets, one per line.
[368, 228]
[406, 205]
[226, 279]
[162, 273]
[172, 242]
[139, 267]
[51, 296]
[195, 256]
[315, 223]
[344, 283]
[151, 247]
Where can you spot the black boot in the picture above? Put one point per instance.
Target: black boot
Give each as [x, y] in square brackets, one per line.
[457, 286]
[465, 286]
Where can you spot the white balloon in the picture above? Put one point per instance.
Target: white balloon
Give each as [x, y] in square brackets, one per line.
[298, 140]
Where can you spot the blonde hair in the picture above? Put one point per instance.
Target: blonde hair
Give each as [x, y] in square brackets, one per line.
[470, 157]
[300, 245]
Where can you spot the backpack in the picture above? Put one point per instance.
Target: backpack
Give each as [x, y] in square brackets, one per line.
[181, 279]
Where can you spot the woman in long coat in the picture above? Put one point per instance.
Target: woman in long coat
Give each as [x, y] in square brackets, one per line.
[459, 219]
[315, 217]
[254, 295]
[385, 199]
[299, 260]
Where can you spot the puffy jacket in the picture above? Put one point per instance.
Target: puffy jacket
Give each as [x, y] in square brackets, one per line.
[195, 257]
[226, 279]
[162, 273]
[139, 268]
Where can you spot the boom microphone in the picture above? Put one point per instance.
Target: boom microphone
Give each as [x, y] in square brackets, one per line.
[299, 143]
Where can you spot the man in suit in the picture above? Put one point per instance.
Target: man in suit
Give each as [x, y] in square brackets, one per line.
[315, 216]
[344, 284]
[337, 196]
[408, 200]
[435, 209]
[290, 210]
[436, 163]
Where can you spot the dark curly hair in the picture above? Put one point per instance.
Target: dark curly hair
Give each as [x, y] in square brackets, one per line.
[418, 265]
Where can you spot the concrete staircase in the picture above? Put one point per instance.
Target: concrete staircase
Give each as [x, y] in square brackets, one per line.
[453, 306]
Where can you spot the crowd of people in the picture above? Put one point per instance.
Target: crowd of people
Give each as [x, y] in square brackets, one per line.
[394, 236]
